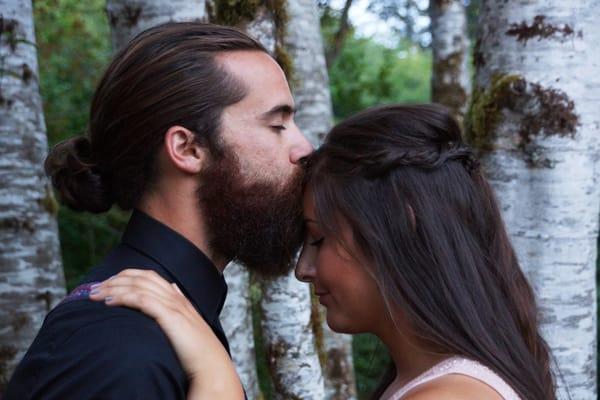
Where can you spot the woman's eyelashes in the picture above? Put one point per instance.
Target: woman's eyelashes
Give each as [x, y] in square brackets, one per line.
[317, 242]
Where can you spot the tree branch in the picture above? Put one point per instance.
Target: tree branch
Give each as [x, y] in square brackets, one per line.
[340, 36]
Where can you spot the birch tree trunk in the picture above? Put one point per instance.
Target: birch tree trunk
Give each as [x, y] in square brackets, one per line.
[450, 81]
[31, 276]
[287, 330]
[236, 319]
[286, 304]
[310, 86]
[286, 307]
[535, 116]
[127, 18]
[261, 27]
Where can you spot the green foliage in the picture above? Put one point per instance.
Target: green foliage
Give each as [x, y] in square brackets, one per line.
[262, 370]
[370, 361]
[367, 73]
[233, 12]
[85, 239]
[486, 108]
[238, 13]
[73, 50]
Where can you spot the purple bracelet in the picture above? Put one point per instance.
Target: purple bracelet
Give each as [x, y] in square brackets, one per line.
[81, 292]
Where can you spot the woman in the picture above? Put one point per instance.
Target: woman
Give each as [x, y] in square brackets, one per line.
[404, 240]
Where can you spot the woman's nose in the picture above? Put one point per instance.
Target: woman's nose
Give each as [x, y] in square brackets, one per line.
[305, 270]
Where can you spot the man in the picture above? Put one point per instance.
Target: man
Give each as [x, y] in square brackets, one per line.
[192, 127]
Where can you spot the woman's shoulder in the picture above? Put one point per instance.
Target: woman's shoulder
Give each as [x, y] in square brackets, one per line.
[453, 387]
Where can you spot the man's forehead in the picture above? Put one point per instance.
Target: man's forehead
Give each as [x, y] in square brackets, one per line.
[252, 67]
[265, 83]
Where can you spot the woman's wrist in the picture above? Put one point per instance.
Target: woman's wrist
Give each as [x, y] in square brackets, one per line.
[223, 385]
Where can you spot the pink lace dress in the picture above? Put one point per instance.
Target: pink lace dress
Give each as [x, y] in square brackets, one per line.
[462, 366]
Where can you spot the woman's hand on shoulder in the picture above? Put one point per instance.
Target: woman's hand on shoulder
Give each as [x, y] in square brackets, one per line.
[203, 357]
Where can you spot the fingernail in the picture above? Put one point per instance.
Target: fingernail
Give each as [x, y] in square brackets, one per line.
[94, 291]
[95, 286]
[108, 299]
[112, 277]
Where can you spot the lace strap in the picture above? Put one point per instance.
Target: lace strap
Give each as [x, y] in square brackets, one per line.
[462, 366]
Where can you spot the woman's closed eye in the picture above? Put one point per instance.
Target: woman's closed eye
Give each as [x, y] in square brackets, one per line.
[317, 242]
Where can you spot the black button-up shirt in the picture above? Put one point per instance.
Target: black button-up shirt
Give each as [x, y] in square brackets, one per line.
[87, 350]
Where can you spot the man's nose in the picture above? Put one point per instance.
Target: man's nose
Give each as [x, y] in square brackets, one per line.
[301, 149]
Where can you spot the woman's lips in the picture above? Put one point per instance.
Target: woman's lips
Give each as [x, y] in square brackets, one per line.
[323, 297]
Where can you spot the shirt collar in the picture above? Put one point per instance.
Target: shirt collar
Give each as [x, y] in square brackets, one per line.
[194, 272]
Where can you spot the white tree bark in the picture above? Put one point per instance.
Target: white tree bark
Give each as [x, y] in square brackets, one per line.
[450, 83]
[263, 29]
[236, 319]
[535, 108]
[31, 276]
[285, 303]
[310, 86]
[310, 82]
[127, 18]
[289, 340]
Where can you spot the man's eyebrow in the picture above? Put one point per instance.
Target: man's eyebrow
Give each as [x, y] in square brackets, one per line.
[279, 109]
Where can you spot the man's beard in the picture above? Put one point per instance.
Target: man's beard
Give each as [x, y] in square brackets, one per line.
[258, 224]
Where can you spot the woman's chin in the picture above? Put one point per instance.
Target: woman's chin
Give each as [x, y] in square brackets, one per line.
[340, 324]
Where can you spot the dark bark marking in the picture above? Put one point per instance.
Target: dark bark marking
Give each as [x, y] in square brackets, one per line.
[131, 15]
[19, 320]
[274, 352]
[543, 112]
[442, 4]
[240, 12]
[553, 114]
[113, 19]
[538, 28]
[17, 224]
[452, 94]
[4, 100]
[7, 354]
[8, 31]
[478, 59]
[27, 73]
[46, 296]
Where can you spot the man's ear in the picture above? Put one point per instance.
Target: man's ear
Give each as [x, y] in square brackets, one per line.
[183, 150]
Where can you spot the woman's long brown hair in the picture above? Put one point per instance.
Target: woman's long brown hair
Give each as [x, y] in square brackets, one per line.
[422, 212]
